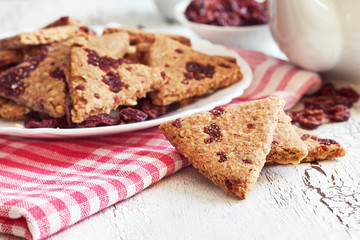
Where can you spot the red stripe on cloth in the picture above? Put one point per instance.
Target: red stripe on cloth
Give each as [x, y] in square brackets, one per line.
[266, 78]
[287, 78]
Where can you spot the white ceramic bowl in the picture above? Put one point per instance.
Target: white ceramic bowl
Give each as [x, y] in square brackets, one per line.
[322, 36]
[252, 37]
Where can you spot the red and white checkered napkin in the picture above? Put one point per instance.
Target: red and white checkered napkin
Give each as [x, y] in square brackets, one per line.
[48, 185]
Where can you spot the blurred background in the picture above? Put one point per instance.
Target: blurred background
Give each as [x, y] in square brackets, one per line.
[16, 15]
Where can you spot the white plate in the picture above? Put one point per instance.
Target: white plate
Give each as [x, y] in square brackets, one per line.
[219, 97]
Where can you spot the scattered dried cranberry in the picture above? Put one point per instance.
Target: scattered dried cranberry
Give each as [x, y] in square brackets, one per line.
[99, 120]
[178, 50]
[176, 123]
[114, 81]
[217, 111]
[227, 12]
[333, 104]
[80, 87]
[349, 93]
[58, 73]
[338, 113]
[304, 137]
[130, 115]
[247, 161]
[223, 156]
[230, 184]
[214, 132]
[325, 141]
[199, 71]
[251, 126]
[309, 119]
[153, 111]
[105, 63]
[46, 123]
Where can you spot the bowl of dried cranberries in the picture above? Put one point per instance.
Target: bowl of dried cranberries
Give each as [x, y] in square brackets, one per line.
[233, 23]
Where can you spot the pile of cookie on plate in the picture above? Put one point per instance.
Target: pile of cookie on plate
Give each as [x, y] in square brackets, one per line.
[66, 76]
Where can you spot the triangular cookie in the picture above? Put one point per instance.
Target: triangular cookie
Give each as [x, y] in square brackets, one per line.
[319, 148]
[191, 73]
[100, 83]
[228, 145]
[39, 82]
[287, 147]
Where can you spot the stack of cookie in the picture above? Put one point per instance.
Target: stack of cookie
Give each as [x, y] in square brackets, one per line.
[230, 145]
[72, 77]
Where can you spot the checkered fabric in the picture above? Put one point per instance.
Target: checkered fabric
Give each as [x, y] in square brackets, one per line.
[48, 185]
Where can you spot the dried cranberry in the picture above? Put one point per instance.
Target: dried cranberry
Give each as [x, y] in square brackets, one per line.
[163, 75]
[178, 50]
[309, 119]
[130, 115]
[338, 113]
[349, 93]
[227, 12]
[325, 141]
[177, 123]
[46, 123]
[80, 87]
[251, 126]
[230, 184]
[247, 161]
[199, 71]
[304, 137]
[58, 73]
[217, 111]
[114, 81]
[153, 111]
[214, 132]
[223, 156]
[326, 90]
[105, 63]
[99, 120]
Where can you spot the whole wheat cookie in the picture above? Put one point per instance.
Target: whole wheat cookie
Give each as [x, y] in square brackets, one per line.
[99, 83]
[191, 73]
[319, 148]
[66, 21]
[228, 145]
[287, 147]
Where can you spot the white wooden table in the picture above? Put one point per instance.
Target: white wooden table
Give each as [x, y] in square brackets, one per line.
[308, 201]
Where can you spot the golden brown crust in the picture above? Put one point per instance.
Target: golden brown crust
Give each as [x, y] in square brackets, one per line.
[8, 57]
[96, 88]
[42, 36]
[191, 73]
[229, 145]
[287, 147]
[319, 148]
[139, 36]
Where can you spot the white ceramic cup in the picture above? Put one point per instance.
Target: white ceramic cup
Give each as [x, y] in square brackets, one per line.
[319, 35]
